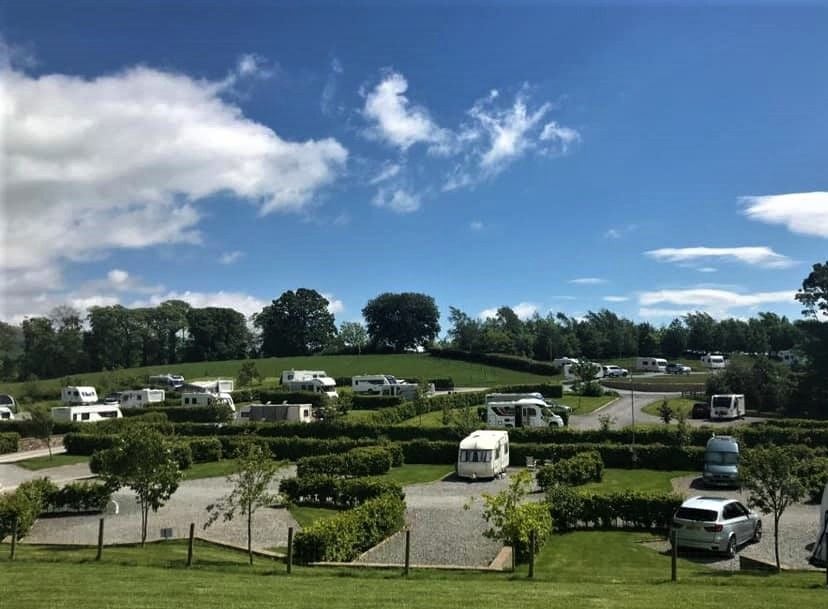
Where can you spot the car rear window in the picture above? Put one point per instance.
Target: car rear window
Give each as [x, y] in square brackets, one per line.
[688, 513]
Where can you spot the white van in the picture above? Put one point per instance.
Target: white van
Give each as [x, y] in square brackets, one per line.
[651, 364]
[383, 384]
[714, 361]
[501, 410]
[78, 395]
[203, 398]
[320, 384]
[727, 406]
[483, 454]
[166, 380]
[140, 398]
[301, 375]
[87, 413]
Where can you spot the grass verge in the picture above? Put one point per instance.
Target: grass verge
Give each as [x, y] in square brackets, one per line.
[583, 404]
[38, 463]
[677, 404]
[647, 480]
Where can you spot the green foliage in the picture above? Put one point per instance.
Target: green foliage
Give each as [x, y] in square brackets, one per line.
[605, 421]
[364, 461]
[9, 442]
[81, 496]
[23, 506]
[205, 449]
[297, 323]
[374, 402]
[248, 373]
[511, 362]
[580, 469]
[215, 413]
[813, 472]
[42, 425]
[511, 520]
[345, 536]
[215, 334]
[766, 385]
[572, 509]
[401, 321]
[335, 491]
[665, 412]
[353, 337]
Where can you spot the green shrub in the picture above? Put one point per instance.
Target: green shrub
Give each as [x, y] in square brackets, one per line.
[345, 536]
[580, 469]
[362, 461]
[442, 384]
[336, 492]
[374, 402]
[23, 506]
[86, 443]
[571, 509]
[318, 400]
[218, 413]
[182, 454]
[814, 474]
[9, 441]
[79, 497]
[205, 449]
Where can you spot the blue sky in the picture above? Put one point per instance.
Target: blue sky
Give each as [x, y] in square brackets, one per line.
[651, 160]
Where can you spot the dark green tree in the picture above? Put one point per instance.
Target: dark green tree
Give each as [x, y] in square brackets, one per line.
[297, 323]
[401, 321]
[217, 334]
[812, 393]
[673, 339]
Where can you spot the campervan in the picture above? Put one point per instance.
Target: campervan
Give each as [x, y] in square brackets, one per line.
[166, 380]
[568, 370]
[721, 461]
[520, 410]
[651, 364]
[383, 384]
[140, 398]
[483, 454]
[87, 413]
[6, 414]
[78, 395]
[215, 386]
[714, 361]
[204, 398]
[727, 406]
[301, 375]
[294, 413]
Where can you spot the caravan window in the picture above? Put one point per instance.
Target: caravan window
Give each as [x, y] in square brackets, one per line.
[108, 414]
[84, 416]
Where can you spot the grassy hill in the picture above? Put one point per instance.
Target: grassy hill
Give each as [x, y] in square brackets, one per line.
[408, 365]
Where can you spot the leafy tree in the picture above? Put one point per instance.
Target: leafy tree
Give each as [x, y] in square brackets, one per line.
[247, 373]
[465, 331]
[511, 520]
[649, 340]
[142, 460]
[771, 476]
[42, 425]
[701, 335]
[11, 350]
[402, 321]
[298, 323]
[814, 293]
[216, 334]
[353, 335]
[812, 394]
[665, 412]
[673, 339]
[251, 491]
[585, 373]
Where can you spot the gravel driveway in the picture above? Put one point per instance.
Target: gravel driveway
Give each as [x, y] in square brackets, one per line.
[11, 475]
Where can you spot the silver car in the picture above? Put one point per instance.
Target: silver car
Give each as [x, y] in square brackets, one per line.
[715, 523]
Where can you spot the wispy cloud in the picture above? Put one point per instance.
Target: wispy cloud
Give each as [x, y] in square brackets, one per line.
[326, 102]
[397, 200]
[760, 256]
[616, 232]
[388, 171]
[717, 302]
[804, 213]
[707, 269]
[476, 225]
[616, 298]
[230, 257]
[588, 281]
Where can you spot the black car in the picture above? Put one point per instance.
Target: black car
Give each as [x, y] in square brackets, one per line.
[676, 368]
[701, 410]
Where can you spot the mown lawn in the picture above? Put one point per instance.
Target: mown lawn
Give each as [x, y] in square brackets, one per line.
[418, 473]
[306, 515]
[677, 404]
[39, 463]
[647, 480]
[583, 404]
[578, 570]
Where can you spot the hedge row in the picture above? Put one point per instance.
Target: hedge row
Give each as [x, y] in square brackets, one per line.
[374, 402]
[345, 536]
[357, 462]
[186, 414]
[278, 396]
[291, 448]
[574, 471]
[571, 509]
[78, 496]
[335, 491]
[26, 429]
[644, 386]
[410, 409]
[9, 442]
[510, 362]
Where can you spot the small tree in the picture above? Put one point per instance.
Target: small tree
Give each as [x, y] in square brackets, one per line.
[771, 475]
[606, 421]
[251, 490]
[353, 335]
[585, 374]
[247, 373]
[512, 521]
[142, 460]
[665, 412]
[42, 425]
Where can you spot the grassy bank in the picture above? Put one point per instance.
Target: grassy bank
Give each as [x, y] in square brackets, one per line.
[677, 404]
[39, 463]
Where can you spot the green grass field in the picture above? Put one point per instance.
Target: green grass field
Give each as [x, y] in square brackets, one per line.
[418, 474]
[584, 405]
[677, 404]
[38, 463]
[409, 365]
[646, 480]
[610, 570]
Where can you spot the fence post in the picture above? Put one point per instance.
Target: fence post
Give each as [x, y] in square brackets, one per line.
[674, 554]
[14, 540]
[407, 551]
[100, 539]
[190, 545]
[290, 550]
[531, 553]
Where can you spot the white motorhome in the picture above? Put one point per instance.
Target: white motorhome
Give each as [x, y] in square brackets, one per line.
[204, 398]
[502, 410]
[483, 454]
[294, 413]
[727, 406]
[166, 380]
[215, 386]
[140, 398]
[301, 375]
[6, 414]
[383, 384]
[78, 395]
[87, 413]
[651, 364]
[714, 361]
[315, 381]
[567, 366]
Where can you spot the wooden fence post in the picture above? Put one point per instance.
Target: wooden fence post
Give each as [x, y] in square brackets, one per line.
[190, 545]
[290, 550]
[531, 553]
[100, 539]
[14, 540]
[407, 551]
[674, 535]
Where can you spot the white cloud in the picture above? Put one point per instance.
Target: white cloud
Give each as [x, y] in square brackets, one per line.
[616, 232]
[476, 225]
[707, 269]
[397, 199]
[394, 120]
[562, 137]
[335, 305]
[613, 233]
[524, 310]
[616, 298]
[388, 171]
[120, 161]
[588, 281]
[717, 302]
[231, 257]
[757, 256]
[240, 301]
[805, 213]
[117, 276]
[329, 91]
[488, 313]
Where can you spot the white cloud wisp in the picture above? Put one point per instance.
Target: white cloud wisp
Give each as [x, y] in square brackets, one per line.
[760, 256]
[804, 213]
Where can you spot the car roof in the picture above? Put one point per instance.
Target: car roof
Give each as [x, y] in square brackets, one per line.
[707, 503]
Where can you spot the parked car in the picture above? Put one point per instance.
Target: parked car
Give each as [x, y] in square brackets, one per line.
[717, 524]
[614, 371]
[676, 368]
[701, 410]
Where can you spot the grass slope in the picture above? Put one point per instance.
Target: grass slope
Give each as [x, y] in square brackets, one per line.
[38, 463]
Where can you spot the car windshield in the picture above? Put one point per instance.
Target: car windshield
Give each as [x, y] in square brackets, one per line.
[697, 514]
[721, 458]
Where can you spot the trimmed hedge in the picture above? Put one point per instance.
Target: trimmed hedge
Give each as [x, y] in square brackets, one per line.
[644, 386]
[24, 505]
[186, 414]
[317, 400]
[442, 383]
[358, 462]
[9, 442]
[571, 509]
[336, 492]
[345, 536]
[374, 402]
[291, 448]
[86, 443]
[26, 430]
[78, 497]
[511, 362]
[580, 469]
[204, 450]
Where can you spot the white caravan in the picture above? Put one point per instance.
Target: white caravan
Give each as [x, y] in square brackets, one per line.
[533, 410]
[87, 413]
[383, 384]
[483, 454]
[292, 413]
[204, 398]
[140, 398]
[651, 364]
[166, 380]
[8, 401]
[301, 375]
[6, 414]
[78, 395]
[714, 361]
[215, 386]
[727, 406]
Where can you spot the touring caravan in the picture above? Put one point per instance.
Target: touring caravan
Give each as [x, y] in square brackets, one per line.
[713, 361]
[651, 364]
[727, 406]
[87, 413]
[383, 384]
[301, 375]
[520, 410]
[483, 454]
[215, 386]
[293, 413]
[73, 396]
[721, 461]
[204, 398]
[166, 380]
[8, 401]
[140, 398]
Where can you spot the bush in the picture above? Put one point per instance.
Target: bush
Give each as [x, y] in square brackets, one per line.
[580, 469]
[183, 414]
[182, 454]
[814, 474]
[318, 400]
[571, 509]
[291, 448]
[9, 442]
[26, 428]
[346, 535]
[364, 461]
[23, 506]
[86, 443]
[374, 402]
[205, 449]
[79, 497]
[442, 384]
[336, 492]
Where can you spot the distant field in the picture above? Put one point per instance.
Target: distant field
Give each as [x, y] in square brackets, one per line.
[409, 365]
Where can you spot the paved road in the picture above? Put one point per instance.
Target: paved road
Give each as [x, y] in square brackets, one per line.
[11, 475]
[31, 454]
